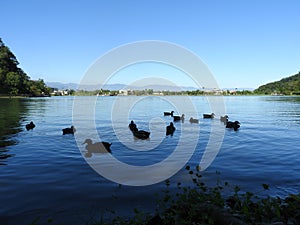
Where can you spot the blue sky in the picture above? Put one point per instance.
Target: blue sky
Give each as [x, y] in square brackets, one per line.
[243, 43]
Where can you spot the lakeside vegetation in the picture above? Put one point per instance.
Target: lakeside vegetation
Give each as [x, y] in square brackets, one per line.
[223, 205]
[161, 93]
[259, 91]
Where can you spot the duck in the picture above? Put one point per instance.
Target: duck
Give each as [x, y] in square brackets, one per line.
[192, 120]
[98, 147]
[224, 119]
[30, 126]
[170, 129]
[209, 116]
[168, 113]
[178, 118]
[132, 126]
[235, 125]
[141, 134]
[69, 130]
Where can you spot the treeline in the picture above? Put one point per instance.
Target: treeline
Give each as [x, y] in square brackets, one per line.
[14, 81]
[95, 92]
[286, 86]
[152, 92]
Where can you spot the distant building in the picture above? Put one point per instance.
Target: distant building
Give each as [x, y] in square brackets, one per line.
[56, 92]
[123, 92]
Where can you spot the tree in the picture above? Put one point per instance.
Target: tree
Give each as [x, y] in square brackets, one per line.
[13, 80]
[38, 88]
[9, 79]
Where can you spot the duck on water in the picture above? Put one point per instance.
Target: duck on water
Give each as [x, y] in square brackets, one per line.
[30, 126]
[168, 113]
[69, 130]
[139, 134]
[235, 125]
[170, 129]
[98, 147]
[192, 120]
[178, 118]
[209, 116]
[224, 119]
[132, 126]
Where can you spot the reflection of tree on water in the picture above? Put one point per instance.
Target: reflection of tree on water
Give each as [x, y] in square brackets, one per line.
[11, 113]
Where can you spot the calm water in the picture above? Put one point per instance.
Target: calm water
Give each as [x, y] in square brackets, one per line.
[45, 174]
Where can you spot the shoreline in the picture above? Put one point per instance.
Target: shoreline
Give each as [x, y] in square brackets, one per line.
[20, 96]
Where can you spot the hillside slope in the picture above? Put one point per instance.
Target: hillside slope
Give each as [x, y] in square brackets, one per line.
[286, 86]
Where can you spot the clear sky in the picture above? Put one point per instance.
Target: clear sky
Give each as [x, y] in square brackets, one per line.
[244, 43]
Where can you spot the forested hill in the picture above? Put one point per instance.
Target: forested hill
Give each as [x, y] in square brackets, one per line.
[14, 81]
[286, 86]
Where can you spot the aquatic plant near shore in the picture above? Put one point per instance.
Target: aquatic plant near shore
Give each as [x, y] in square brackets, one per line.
[200, 204]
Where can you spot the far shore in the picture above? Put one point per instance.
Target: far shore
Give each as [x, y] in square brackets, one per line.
[20, 96]
[7, 96]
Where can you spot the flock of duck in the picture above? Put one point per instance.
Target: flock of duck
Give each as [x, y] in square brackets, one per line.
[229, 124]
[104, 147]
[170, 129]
[98, 147]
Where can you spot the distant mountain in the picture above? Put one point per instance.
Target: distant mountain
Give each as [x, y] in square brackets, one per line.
[64, 86]
[157, 87]
[92, 87]
[286, 86]
[113, 87]
[239, 89]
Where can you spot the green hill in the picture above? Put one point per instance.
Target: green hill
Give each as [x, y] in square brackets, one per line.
[286, 86]
[13, 80]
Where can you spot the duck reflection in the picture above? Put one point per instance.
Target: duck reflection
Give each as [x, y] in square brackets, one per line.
[98, 147]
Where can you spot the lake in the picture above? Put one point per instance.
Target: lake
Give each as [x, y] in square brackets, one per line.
[46, 174]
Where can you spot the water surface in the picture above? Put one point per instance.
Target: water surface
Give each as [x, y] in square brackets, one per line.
[43, 173]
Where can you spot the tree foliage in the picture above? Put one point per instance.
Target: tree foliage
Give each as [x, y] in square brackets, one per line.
[286, 86]
[13, 80]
